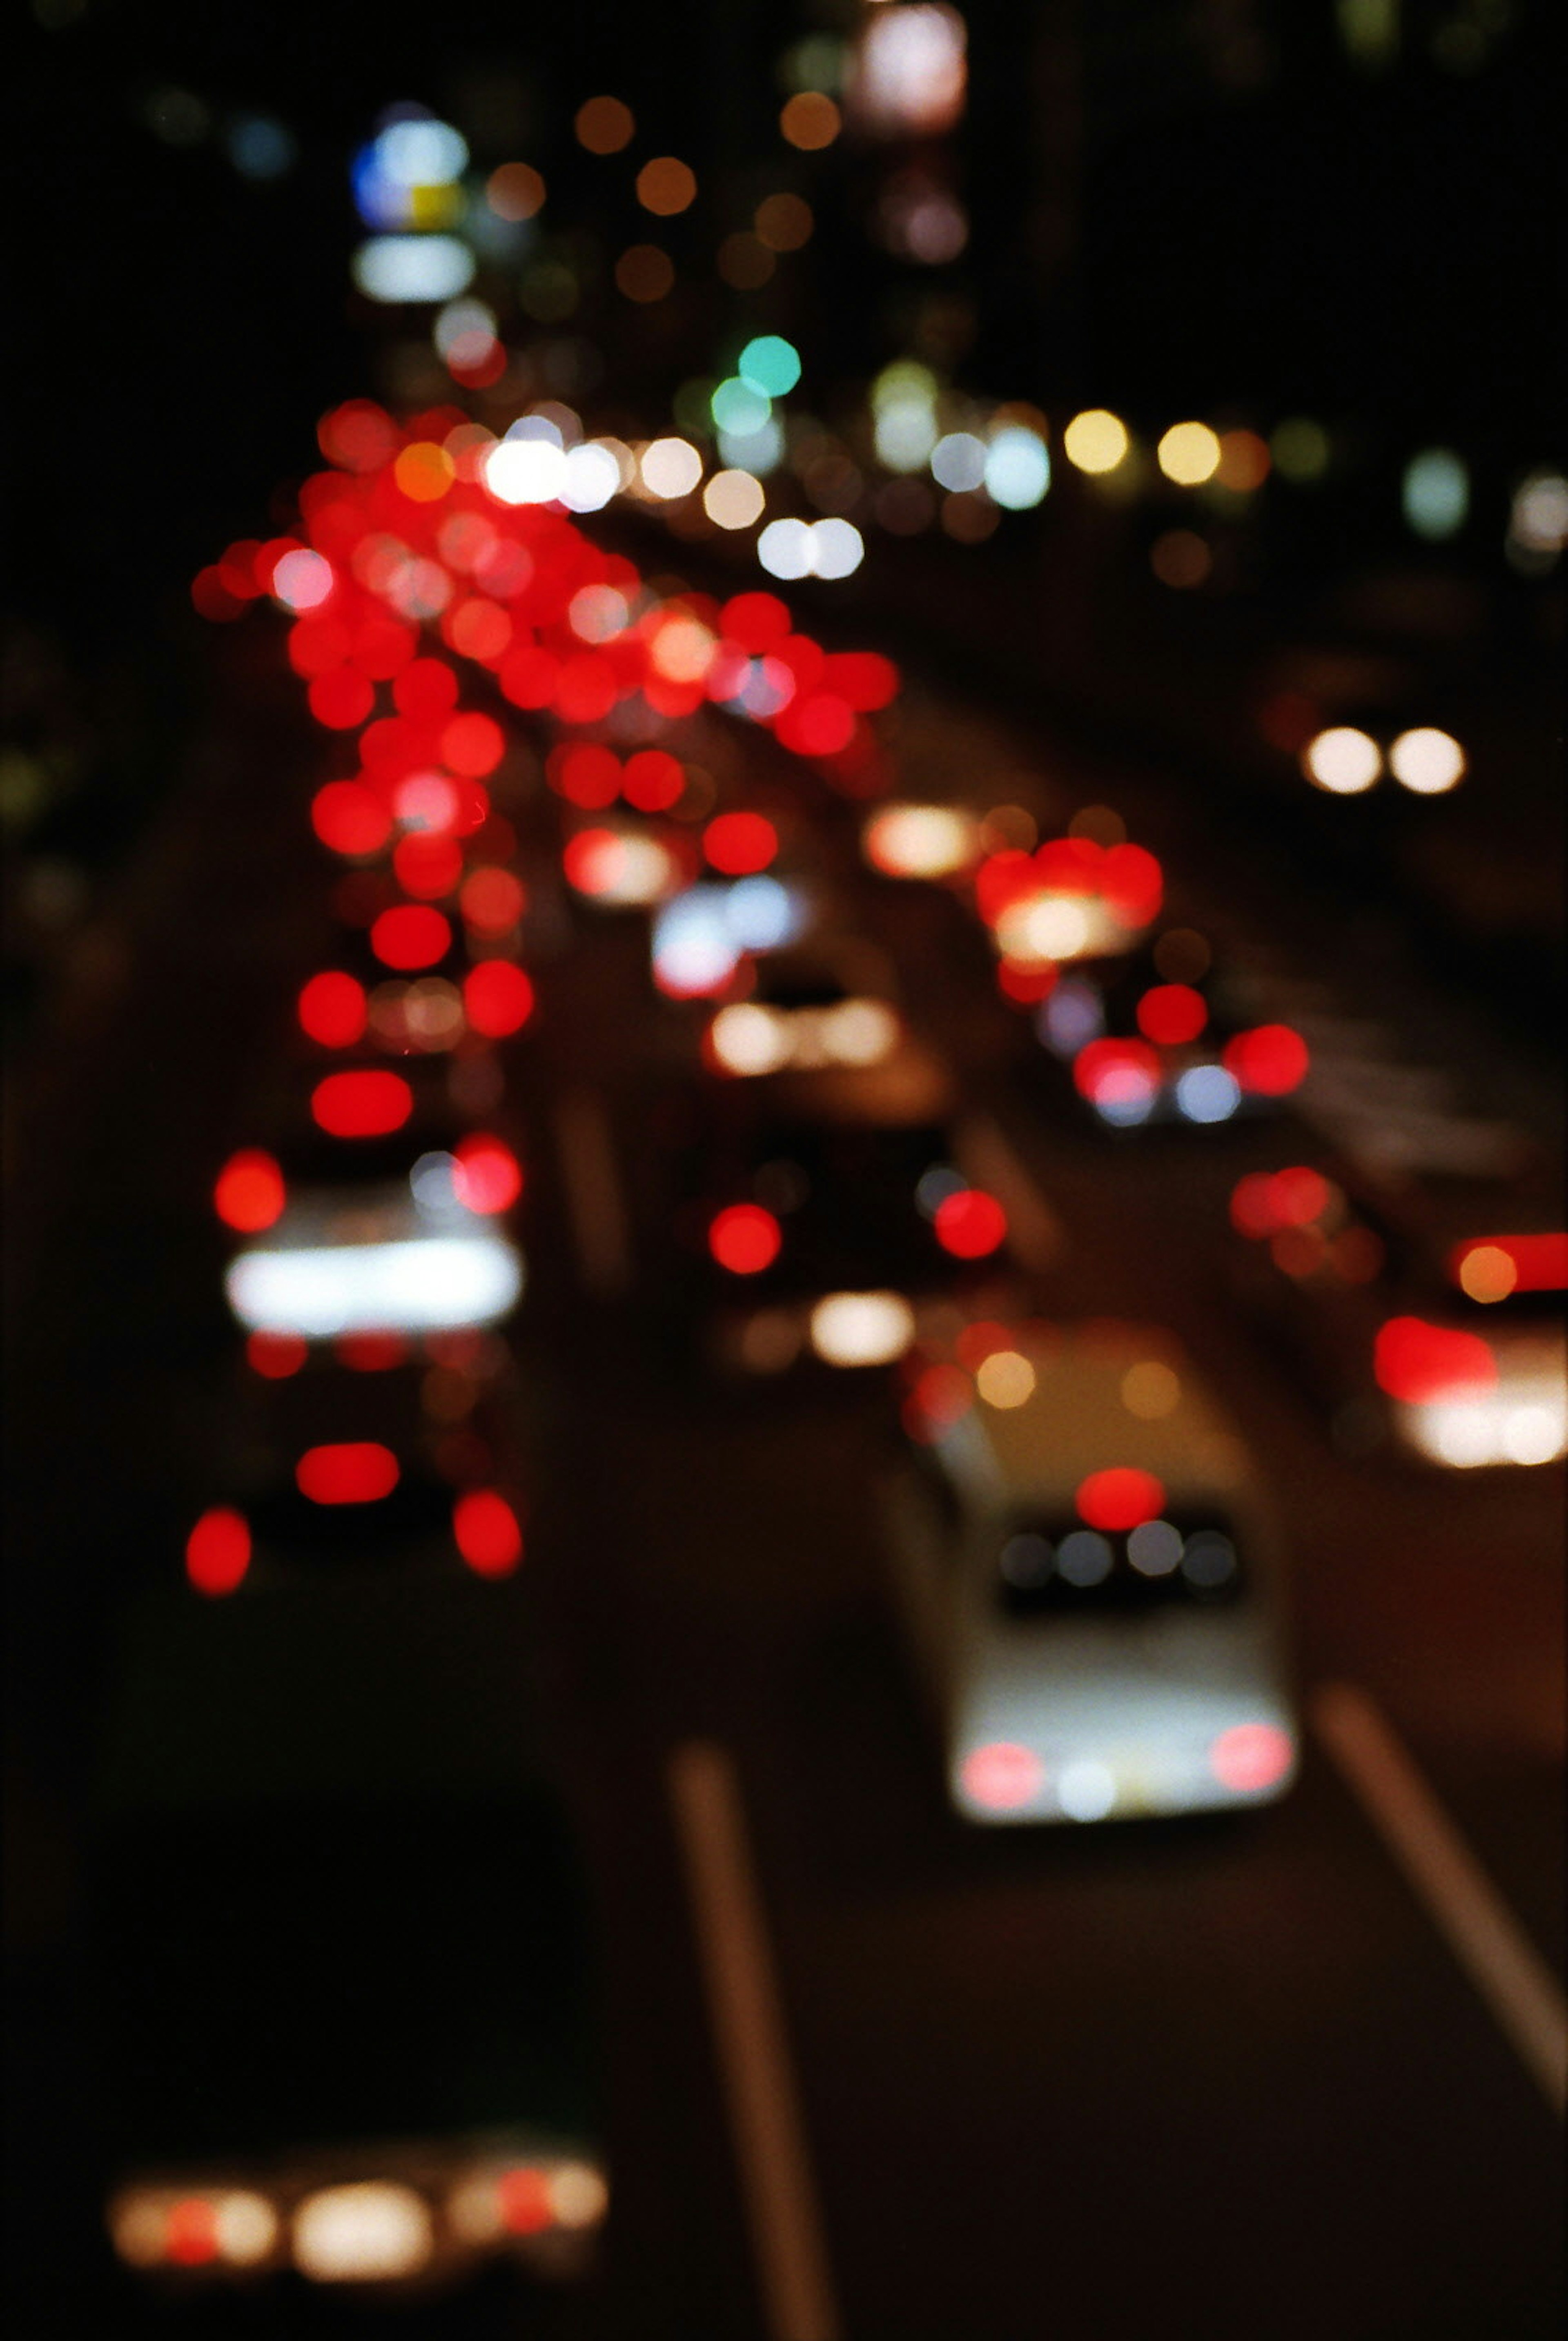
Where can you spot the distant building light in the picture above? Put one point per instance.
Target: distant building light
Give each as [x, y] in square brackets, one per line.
[1435, 493]
[909, 71]
[393, 268]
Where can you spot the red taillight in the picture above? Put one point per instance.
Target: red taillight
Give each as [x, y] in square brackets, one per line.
[250, 1193]
[1002, 1776]
[360, 1472]
[1121, 1497]
[276, 1355]
[371, 1353]
[1527, 1263]
[970, 1223]
[1270, 1060]
[190, 2234]
[332, 1010]
[497, 998]
[653, 780]
[744, 1238]
[486, 1175]
[362, 1105]
[410, 935]
[1250, 1757]
[1171, 1013]
[1417, 1363]
[523, 2198]
[218, 1551]
[426, 866]
[485, 1530]
[740, 844]
[1113, 1072]
[349, 819]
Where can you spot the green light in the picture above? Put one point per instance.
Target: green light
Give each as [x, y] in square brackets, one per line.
[740, 406]
[770, 364]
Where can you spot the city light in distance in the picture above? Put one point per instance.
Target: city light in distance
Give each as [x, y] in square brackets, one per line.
[1427, 761]
[921, 841]
[1189, 453]
[670, 468]
[792, 549]
[733, 499]
[1095, 441]
[1341, 761]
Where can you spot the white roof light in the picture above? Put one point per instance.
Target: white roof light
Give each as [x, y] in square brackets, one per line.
[429, 1282]
[394, 268]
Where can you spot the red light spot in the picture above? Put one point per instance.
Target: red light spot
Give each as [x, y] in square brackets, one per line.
[427, 687]
[360, 1472]
[276, 1355]
[410, 935]
[653, 780]
[1540, 1262]
[484, 1528]
[371, 1353]
[1026, 984]
[1268, 1061]
[341, 699]
[491, 900]
[1002, 879]
[332, 1010]
[250, 1193]
[427, 866]
[1002, 1776]
[362, 1104]
[740, 842]
[1417, 1362]
[979, 1339]
[744, 1238]
[523, 2198]
[358, 436]
[218, 1551]
[1119, 1499]
[817, 725]
[486, 1176]
[754, 622]
[211, 596]
[585, 774]
[1253, 1211]
[528, 677]
[864, 679]
[348, 820]
[191, 2236]
[586, 689]
[1131, 881]
[383, 645]
[1171, 1013]
[1111, 1071]
[1298, 1196]
[315, 645]
[1252, 1756]
[941, 1396]
[497, 998]
[970, 1223]
[472, 746]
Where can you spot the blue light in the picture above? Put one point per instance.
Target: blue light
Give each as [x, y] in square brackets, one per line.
[1207, 1093]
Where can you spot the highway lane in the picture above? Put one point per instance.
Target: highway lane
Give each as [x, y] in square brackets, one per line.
[1041, 2079]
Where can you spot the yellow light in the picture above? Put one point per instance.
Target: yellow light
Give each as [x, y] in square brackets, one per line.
[245, 2227]
[424, 472]
[1189, 453]
[1427, 761]
[578, 2195]
[1006, 1379]
[1095, 441]
[733, 499]
[666, 185]
[811, 120]
[1488, 1273]
[603, 125]
[683, 650]
[1150, 1390]
[1343, 761]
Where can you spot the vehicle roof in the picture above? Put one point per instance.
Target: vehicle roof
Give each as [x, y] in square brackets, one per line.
[1076, 1420]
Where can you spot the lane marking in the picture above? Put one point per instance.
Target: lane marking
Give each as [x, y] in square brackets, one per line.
[1462, 1901]
[593, 1195]
[988, 1158]
[753, 2056]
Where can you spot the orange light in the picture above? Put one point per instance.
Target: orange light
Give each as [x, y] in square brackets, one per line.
[361, 1104]
[810, 121]
[356, 1471]
[744, 1238]
[250, 1193]
[666, 185]
[1121, 1497]
[425, 470]
[218, 1551]
[514, 191]
[1526, 1264]
[191, 2236]
[497, 998]
[523, 2198]
[485, 1530]
[603, 125]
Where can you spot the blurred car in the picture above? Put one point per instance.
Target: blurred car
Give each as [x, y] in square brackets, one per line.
[828, 1241]
[1413, 1320]
[374, 1458]
[1091, 1579]
[339, 1949]
[382, 1208]
[818, 1029]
